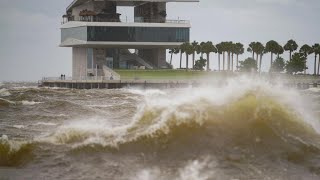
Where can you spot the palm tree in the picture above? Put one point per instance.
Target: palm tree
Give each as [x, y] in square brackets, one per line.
[228, 48]
[233, 51]
[219, 51]
[251, 49]
[280, 50]
[182, 50]
[188, 50]
[306, 50]
[260, 50]
[176, 50]
[274, 48]
[173, 51]
[224, 49]
[316, 51]
[209, 48]
[239, 50]
[194, 48]
[200, 49]
[291, 46]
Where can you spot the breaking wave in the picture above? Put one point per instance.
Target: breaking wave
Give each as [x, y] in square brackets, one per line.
[245, 114]
[30, 103]
[4, 93]
[4, 102]
[14, 153]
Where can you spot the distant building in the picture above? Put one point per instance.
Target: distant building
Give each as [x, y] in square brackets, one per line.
[101, 40]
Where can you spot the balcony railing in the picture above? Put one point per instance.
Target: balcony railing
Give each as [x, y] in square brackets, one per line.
[93, 19]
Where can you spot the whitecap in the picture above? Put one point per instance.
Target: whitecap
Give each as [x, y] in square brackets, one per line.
[44, 124]
[29, 103]
[4, 92]
[315, 90]
[19, 126]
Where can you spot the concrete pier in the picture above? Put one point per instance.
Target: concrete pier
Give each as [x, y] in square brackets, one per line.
[112, 84]
[147, 84]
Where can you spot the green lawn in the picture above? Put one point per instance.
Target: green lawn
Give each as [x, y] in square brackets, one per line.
[189, 75]
[161, 74]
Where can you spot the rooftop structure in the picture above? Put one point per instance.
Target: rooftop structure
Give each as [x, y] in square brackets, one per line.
[100, 40]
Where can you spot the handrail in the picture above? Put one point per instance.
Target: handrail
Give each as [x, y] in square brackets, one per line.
[173, 21]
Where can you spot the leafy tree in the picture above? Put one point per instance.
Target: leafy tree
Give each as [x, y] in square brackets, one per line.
[291, 46]
[207, 49]
[278, 65]
[248, 65]
[200, 64]
[274, 48]
[194, 47]
[239, 50]
[306, 50]
[296, 64]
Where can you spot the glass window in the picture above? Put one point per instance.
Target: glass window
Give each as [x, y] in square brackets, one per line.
[138, 34]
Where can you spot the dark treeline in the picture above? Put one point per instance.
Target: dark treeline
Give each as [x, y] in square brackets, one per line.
[228, 54]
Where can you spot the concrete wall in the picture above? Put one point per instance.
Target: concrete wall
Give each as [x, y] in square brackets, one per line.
[79, 62]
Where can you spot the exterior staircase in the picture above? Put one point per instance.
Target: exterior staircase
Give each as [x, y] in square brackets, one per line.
[110, 74]
[137, 58]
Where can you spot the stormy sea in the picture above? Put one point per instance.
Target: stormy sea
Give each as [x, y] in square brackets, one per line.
[243, 129]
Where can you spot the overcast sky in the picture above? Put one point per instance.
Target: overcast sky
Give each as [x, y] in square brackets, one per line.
[30, 34]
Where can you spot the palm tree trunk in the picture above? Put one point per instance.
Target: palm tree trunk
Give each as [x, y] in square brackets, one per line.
[224, 60]
[187, 62]
[219, 68]
[193, 57]
[229, 61]
[290, 55]
[208, 61]
[315, 64]
[257, 55]
[252, 54]
[237, 62]
[232, 62]
[171, 58]
[180, 60]
[319, 65]
[260, 63]
[271, 62]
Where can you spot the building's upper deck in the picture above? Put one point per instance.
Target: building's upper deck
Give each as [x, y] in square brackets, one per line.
[127, 2]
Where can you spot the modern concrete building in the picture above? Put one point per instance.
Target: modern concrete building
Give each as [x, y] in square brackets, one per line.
[101, 40]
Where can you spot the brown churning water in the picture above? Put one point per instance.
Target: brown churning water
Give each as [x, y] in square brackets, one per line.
[246, 129]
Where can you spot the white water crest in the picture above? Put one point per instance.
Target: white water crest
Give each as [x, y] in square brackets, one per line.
[4, 92]
[30, 103]
[194, 170]
[159, 114]
[19, 126]
[44, 124]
